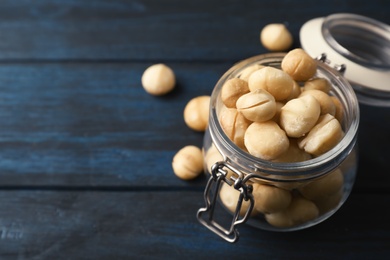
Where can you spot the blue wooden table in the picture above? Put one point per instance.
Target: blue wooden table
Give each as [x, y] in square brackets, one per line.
[85, 155]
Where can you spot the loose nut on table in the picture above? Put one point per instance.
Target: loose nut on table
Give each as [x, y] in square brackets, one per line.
[187, 163]
[196, 113]
[158, 79]
[276, 37]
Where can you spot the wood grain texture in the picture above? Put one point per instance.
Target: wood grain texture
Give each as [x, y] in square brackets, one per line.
[93, 124]
[151, 30]
[85, 158]
[145, 225]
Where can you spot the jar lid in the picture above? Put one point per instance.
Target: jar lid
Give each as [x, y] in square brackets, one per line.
[361, 44]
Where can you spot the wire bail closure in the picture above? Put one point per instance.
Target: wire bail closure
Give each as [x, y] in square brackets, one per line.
[219, 174]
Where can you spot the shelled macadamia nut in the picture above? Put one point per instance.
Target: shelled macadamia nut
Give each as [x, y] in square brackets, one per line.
[276, 37]
[212, 155]
[275, 81]
[339, 114]
[299, 65]
[245, 73]
[232, 90]
[234, 124]
[278, 109]
[293, 154]
[187, 163]
[330, 202]
[302, 210]
[295, 92]
[266, 140]
[299, 115]
[158, 79]
[196, 113]
[326, 103]
[299, 211]
[324, 186]
[319, 84]
[229, 198]
[257, 106]
[270, 199]
[323, 136]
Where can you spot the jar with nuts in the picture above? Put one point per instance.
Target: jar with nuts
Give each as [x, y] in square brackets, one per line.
[281, 141]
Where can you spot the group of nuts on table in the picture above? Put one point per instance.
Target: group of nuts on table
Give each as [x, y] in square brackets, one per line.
[280, 115]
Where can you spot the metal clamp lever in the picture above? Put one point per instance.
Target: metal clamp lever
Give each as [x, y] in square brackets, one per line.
[323, 58]
[218, 174]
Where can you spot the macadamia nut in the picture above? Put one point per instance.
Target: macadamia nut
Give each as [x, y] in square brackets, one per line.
[323, 136]
[293, 154]
[196, 113]
[323, 187]
[326, 103]
[158, 79]
[234, 124]
[229, 198]
[319, 84]
[276, 37]
[232, 90]
[257, 106]
[269, 199]
[299, 211]
[299, 65]
[278, 83]
[330, 202]
[339, 114]
[211, 157]
[278, 109]
[245, 73]
[266, 140]
[299, 115]
[295, 92]
[187, 163]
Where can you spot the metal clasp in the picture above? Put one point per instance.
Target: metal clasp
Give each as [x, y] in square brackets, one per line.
[219, 174]
[340, 68]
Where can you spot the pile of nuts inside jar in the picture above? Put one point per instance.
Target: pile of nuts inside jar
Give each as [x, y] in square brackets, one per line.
[280, 115]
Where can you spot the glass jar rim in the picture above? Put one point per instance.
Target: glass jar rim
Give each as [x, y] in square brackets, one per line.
[277, 171]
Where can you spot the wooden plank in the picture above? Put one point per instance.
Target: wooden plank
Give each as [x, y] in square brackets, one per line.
[92, 124]
[155, 225]
[150, 30]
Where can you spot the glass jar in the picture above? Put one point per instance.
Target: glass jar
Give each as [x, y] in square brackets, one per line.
[234, 170]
